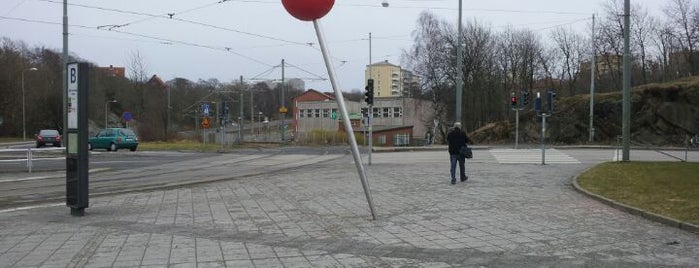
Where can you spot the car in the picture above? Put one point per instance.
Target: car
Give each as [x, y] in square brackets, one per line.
[114, 139]
[46, 136]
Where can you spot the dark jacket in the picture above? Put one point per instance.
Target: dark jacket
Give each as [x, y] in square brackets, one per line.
[457, 138]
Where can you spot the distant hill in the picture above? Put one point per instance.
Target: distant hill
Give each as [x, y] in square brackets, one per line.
[661, 114]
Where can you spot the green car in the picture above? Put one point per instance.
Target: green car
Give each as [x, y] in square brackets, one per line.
[113, 139]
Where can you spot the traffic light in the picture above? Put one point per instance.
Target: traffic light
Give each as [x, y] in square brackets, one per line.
[369, 95]
[513, 100]
[549, 98]
[525, 98]
[537, 102]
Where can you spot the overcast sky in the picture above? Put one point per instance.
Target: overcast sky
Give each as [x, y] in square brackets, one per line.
[207, 39]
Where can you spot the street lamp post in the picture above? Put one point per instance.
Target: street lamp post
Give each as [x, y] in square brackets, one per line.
[106, 105]
[24, 119]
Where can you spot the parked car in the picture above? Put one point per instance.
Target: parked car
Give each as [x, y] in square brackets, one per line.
[46, 136]
[114, 139]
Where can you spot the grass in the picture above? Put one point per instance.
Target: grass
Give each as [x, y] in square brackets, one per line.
[14, 139]
[188, 145]
[666, 188]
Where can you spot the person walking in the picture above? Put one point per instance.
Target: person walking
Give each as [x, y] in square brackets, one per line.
[457, 138]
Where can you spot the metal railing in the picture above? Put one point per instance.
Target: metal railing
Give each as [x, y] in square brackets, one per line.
[30, 155]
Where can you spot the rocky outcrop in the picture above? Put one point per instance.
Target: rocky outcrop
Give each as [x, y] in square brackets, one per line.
[661, 114]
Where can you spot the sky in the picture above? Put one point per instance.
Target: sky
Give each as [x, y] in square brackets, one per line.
[226, 39]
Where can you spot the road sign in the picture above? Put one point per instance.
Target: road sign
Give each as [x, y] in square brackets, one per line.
[205, 122]
[127, 116]
[205, 109]
[283, 110]
[333, 115]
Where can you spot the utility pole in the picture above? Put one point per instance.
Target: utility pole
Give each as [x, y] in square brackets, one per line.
[626, 88]
[592, 81]
[459, 70]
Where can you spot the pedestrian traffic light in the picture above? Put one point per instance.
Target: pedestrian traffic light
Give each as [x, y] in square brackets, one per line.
[369, 95]
[549, 98]
[513, 100]
[537, 103]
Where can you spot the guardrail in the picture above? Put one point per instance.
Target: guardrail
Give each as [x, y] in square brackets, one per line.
[30, 155]
[690, 144]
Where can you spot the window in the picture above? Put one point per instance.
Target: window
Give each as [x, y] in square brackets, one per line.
[386, 112]
[401, 140]
[301, 113]
[375, 112]
[326, 113]
[317, 115]
[381, 140]
[397, 112]
[309, 113]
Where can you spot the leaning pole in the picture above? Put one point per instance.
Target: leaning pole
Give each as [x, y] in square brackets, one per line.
[313, 10]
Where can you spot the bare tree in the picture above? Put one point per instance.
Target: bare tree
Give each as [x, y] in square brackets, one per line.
[427, 58]
[138, 71]
[572, 48]
[641, 33]
[683, 15]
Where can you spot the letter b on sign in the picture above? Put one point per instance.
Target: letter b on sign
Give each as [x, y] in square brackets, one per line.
[73, 77]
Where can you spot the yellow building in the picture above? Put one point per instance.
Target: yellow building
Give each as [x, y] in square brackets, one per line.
[388, 80]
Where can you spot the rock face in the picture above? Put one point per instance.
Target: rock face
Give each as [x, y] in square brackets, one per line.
[661, 114]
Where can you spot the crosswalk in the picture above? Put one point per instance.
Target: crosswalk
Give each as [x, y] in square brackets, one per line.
[531, 156]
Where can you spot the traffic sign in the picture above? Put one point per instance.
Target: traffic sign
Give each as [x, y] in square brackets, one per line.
[127, 116]
[205, 122]
[333, 115]
[205, 109]
[283, 110]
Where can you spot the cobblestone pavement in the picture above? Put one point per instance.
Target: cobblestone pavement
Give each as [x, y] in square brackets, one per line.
[505, 215]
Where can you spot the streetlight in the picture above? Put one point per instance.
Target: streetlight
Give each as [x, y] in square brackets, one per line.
[106, 105]
[24, 120]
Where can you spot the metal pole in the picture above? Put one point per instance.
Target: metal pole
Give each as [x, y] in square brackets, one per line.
[24, 128]
[241, 118]
[64, 90]
[252, 114]
[459, 69]
[370, 110]
[516, 127]
[543, 138]
[167, 128]
[345, 117]
[105, 114]
[282, 125]
[592, 81]
[626, 103]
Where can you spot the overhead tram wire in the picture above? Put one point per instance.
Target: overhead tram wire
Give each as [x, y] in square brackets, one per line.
[162, 40]
[319, 77]
[113, 26]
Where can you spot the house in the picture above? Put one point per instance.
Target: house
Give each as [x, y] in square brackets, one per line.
[397, 121]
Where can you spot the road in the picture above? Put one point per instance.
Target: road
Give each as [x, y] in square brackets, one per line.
[125, 171]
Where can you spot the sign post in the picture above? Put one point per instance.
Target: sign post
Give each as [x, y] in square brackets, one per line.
[77, 164]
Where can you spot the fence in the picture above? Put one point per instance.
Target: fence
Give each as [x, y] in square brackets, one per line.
[15, 155]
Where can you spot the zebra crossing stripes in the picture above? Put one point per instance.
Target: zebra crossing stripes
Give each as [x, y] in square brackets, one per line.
[531, 156]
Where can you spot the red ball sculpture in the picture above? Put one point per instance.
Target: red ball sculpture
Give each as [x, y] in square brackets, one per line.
[308, 10]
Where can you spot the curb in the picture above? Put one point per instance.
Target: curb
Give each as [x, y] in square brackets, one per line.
[637, 211]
